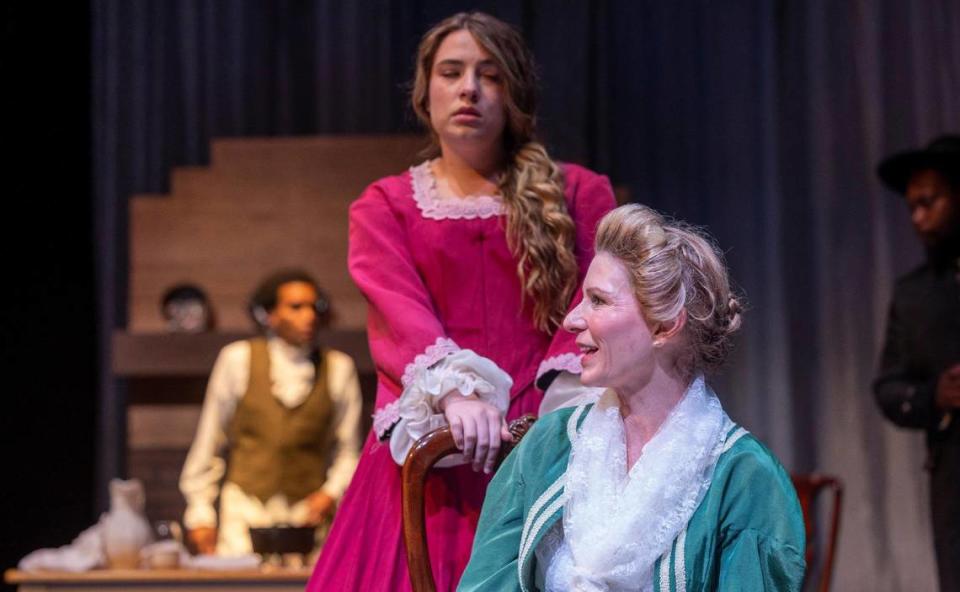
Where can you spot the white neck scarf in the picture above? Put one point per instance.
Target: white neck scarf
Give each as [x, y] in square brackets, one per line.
[616, 524]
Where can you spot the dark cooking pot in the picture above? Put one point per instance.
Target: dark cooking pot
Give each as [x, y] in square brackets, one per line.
[282, 539]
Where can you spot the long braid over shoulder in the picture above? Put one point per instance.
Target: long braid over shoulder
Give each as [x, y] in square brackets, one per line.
[541, 233]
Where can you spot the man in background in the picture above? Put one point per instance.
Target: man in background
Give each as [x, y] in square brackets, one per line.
[278, 435]
[918, 385]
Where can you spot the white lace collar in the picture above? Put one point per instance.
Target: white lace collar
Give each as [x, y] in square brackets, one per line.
[617, 523]
[437, 207]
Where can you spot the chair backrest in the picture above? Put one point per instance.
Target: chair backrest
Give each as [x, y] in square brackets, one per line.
[425, 453]
[808, 489]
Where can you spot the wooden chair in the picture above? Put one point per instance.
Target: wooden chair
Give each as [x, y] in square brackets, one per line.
[808, 489]
[425, 453]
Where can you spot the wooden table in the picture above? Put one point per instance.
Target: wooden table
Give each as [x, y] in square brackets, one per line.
[154, 580]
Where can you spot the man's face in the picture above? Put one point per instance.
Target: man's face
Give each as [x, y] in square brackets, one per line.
[294, 319]
[933, 206]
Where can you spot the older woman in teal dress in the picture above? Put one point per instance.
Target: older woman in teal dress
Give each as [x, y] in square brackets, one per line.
[651, 486]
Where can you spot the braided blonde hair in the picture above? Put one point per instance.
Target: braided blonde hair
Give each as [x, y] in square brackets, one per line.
[539, 228]
[674, 267]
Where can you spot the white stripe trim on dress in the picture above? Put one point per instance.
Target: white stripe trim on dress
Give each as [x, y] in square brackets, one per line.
[665, 572]
[534, 521]
[732, 439]
[679, 562]
[525, 547]
[556, 485]
[545, 497]
[572, 424]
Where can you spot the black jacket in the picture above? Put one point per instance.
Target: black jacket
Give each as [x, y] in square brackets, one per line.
[923, 340]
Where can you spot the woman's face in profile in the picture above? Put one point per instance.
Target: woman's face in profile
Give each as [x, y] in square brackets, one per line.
[466, 98]
[616, 342]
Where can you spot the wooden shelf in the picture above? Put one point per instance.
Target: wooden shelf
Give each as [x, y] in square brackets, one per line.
[144, 355]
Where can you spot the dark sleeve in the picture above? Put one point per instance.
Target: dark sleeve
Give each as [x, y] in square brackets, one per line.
[905, 399]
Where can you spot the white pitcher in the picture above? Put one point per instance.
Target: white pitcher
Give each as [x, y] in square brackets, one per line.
[125, 527]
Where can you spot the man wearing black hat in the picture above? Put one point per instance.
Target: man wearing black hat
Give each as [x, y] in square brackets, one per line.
[918, 385]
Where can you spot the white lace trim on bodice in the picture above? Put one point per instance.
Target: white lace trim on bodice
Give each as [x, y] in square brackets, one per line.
[434, 206]
[616, 523]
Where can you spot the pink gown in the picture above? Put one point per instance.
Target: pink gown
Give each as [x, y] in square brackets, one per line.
[438, 276]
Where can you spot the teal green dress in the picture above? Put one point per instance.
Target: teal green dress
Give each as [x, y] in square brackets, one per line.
[746, 534]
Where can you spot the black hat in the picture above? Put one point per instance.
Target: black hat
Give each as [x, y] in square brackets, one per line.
[942, 154]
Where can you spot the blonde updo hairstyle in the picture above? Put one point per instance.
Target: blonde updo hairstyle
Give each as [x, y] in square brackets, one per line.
[674, 267]
[539, 227]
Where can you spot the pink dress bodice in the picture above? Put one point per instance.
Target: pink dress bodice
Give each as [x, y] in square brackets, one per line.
[439, 275]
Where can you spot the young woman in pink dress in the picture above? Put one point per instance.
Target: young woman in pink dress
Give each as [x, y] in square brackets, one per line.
[469, 261]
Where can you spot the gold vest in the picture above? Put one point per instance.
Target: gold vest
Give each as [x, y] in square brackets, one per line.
[274, 449]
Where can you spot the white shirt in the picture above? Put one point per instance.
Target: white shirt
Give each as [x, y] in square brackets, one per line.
[292, 375]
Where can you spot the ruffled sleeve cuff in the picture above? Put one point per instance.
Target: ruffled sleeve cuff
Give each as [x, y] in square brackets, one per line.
[386, 417]
[552, 366]
[463, 372]
[566, 390]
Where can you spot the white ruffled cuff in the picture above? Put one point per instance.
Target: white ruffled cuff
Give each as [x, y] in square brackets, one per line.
[566, 390]
[440, 349]
[463, 372]
[565, 362]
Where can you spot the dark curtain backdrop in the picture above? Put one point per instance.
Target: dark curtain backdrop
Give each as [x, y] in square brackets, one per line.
[48, 345]
[761, 120]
